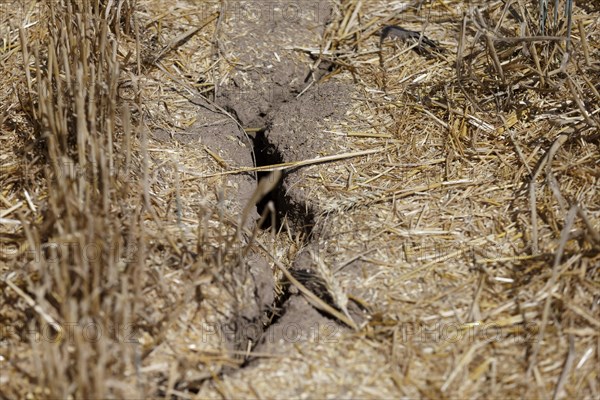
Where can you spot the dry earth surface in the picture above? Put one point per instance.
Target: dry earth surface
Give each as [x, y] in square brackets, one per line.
[450, 250]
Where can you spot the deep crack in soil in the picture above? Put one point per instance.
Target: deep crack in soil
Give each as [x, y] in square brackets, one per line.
[274, 93]
[289, 308]
[265, 99]
[279, 105]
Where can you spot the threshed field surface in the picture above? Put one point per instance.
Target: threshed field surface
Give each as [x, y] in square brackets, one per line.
[299, 199]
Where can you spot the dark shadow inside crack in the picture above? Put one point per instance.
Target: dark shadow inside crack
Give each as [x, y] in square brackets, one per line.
[266, 154]
[298, 214]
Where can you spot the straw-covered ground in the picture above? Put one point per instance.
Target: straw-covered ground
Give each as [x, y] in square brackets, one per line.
[363, 198]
